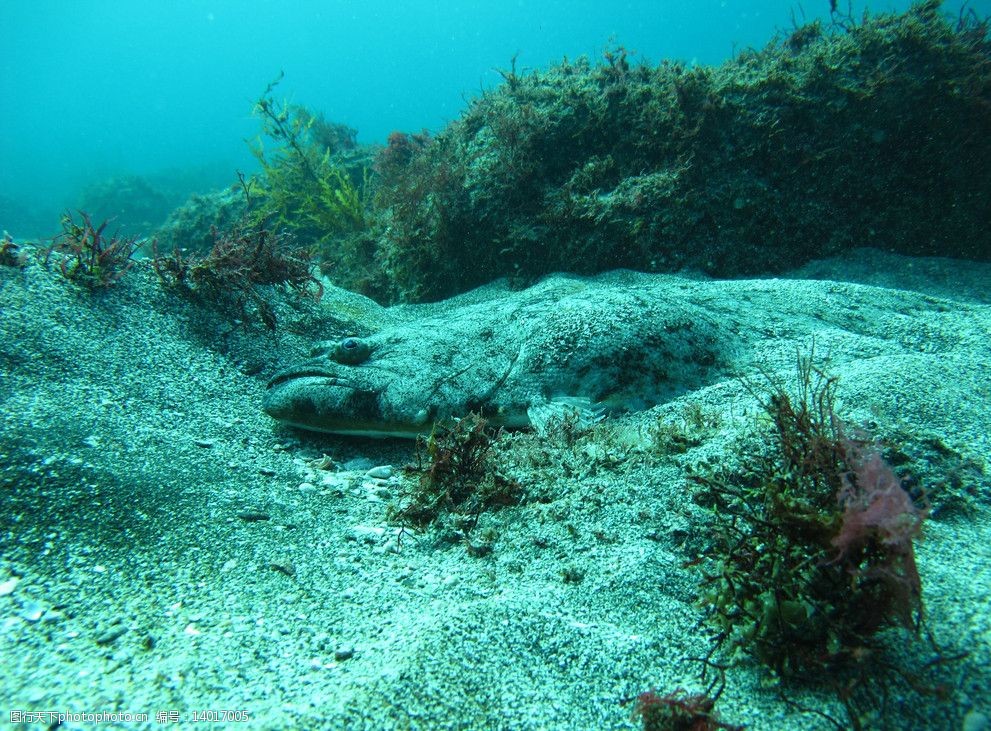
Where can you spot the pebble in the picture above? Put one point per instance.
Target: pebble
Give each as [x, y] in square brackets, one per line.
[31, 611]
[377, 483]
[343, 653]
[110, 635]
[382, 472]
[253, 516]
[9, 585]
[203, 443]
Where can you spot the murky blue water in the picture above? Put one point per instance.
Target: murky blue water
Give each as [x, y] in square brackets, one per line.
[102, 88]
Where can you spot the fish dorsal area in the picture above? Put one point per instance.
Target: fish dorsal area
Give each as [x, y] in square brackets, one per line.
[609, 342]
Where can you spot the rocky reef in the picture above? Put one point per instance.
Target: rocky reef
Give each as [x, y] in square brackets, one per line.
[866, 132]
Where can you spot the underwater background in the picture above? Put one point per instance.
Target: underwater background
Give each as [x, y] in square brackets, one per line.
[100, 90]
[495, 365]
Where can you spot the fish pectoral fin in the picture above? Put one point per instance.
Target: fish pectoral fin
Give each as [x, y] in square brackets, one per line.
[577, 411]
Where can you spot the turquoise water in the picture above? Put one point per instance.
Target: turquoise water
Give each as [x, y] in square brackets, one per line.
[193, 522]
[102, 88]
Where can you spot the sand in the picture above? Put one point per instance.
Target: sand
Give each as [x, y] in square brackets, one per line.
[168, 548]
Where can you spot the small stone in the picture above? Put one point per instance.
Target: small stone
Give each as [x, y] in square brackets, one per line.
[203, 443]
[266, 471]
[343, 653]
[253, 516]
[110, 635]
[31, 611]
[382, 472]
[9, 585]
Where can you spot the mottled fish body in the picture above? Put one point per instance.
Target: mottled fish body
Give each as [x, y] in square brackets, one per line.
[611, 343]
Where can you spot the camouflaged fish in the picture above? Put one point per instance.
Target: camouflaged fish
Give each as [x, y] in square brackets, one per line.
[610, 343]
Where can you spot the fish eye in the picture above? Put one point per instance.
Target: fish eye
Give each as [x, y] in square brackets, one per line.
[351, 351]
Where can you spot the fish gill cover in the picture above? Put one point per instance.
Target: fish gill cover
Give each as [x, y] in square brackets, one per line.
[865, 132]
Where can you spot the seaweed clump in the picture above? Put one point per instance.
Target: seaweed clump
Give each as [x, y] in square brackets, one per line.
[10, 254]
[240, 261]
[871, 133]
[312, 184]
[812, 552]
[87, 256]
[456, 476]
[678, 711]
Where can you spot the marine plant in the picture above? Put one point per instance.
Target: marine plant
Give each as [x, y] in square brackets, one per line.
[777, 156]
[10, 254]
[677, 711]
[812, 555]
[679, 432]
[87, 256]
[400, 149]
[241, 260]
[455, 475]
[304, 187]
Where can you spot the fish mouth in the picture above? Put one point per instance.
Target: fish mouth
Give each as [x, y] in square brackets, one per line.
[292, 375]
[309, 394]
[315, 399]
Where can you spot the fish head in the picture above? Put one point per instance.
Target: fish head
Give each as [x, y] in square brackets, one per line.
[343, 388]
[388, 385]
